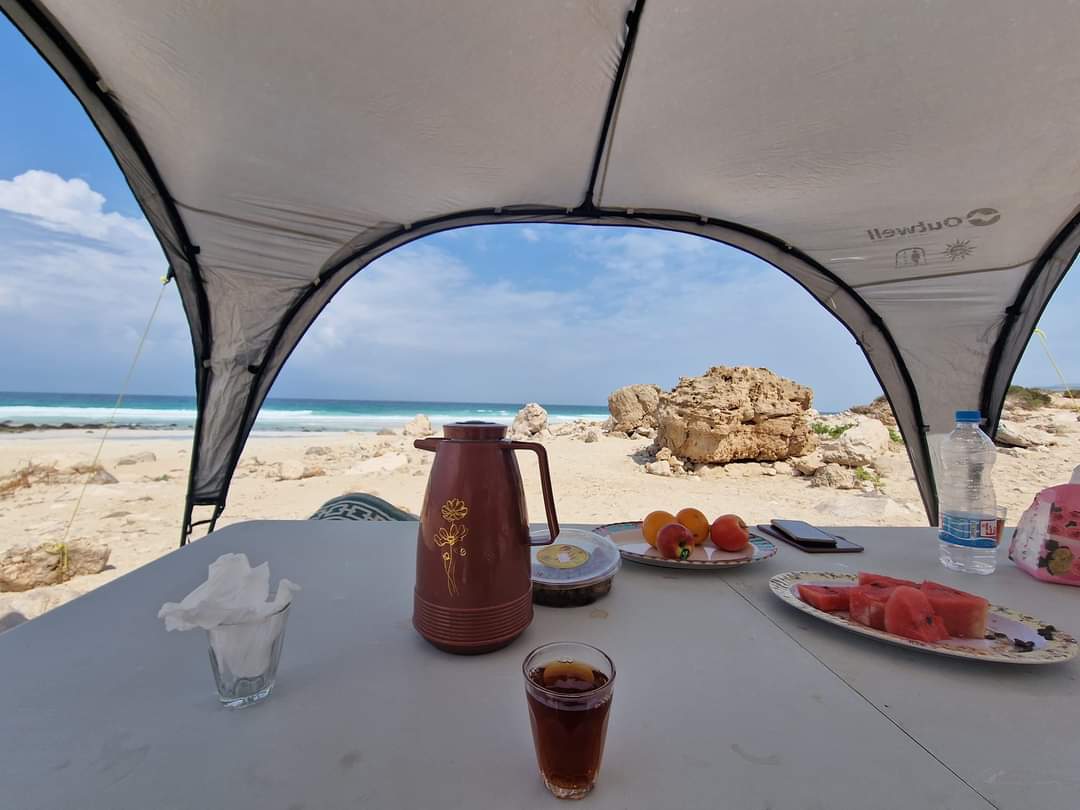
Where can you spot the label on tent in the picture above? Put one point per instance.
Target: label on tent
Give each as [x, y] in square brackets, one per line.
[972, 531]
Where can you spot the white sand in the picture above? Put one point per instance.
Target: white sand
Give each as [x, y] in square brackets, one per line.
[139, 517]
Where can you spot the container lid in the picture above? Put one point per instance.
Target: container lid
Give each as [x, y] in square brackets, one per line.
[968, 416]
[576, 559]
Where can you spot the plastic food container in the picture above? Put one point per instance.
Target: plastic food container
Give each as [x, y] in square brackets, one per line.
[577, 569]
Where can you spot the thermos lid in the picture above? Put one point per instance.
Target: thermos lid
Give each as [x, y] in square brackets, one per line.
[577, 559]
[474, 431]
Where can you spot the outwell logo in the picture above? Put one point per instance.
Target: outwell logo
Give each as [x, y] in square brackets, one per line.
[976, 216]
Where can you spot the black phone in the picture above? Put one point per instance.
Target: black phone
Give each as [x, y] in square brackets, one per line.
[833, 543]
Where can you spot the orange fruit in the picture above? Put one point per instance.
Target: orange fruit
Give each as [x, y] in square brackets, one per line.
[696, 522]
[653, 523]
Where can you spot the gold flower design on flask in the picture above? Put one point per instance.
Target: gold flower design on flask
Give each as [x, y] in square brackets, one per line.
[450, 539]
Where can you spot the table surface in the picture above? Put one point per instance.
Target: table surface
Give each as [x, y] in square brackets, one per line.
[724, 698]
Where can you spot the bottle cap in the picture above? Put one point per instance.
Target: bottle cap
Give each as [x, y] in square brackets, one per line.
[968, 416]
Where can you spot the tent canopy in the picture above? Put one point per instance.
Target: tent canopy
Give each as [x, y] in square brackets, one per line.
[912, 166]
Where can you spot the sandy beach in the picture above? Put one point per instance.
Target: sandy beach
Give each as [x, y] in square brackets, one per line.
[288, 476]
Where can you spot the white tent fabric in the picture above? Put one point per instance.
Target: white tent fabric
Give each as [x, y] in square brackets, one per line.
[912, 165]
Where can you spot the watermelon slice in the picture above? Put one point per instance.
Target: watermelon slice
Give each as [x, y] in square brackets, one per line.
[867, 578]
[908, 613]
[825, 597]
[964, 613]
[867, 604]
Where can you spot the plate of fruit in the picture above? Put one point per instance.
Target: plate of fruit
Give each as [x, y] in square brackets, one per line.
[687, 540]
[925, 616]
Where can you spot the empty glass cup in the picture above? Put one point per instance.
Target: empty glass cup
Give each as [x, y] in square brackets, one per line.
[244, 658]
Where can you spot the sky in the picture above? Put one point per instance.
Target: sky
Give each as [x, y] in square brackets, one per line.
[555, 314]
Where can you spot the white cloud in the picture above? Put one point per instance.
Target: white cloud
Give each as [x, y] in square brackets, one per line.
[70, 206]
[530, 234]
[76, 287]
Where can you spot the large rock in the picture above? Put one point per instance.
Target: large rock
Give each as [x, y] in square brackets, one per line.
[735, 414]
[835, 477]
[1011, 434]
[532, 420]
[633, 406]
[859, 445]
[878, 409]
[419, 425]
[26, 567]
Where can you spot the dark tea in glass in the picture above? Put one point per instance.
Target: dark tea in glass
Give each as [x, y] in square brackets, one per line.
[568, 687]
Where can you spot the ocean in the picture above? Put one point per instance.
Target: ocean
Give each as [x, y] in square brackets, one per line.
[277, 414]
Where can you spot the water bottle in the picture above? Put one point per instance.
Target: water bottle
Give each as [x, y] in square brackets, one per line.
[969, 534]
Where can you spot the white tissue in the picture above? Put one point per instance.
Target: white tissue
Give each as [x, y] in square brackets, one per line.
[233, 593]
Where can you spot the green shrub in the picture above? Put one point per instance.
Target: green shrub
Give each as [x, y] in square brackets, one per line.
[832, 431]
[1030, 399]
[864, 474]
[895, 437]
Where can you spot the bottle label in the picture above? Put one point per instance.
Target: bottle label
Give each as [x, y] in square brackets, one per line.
[971, 531]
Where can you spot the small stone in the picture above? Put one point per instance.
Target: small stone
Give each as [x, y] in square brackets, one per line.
[103, 476]
[386, 432]
[136, 458]
[783, 468]
[658, 468]
[312, 472]
[318, 450]
[592, 435]
[809, 464]
[835, 477]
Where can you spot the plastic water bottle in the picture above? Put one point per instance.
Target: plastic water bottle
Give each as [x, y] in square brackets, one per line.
[969, 534]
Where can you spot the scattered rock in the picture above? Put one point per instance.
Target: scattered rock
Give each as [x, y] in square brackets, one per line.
[591, 435]
[26, 567]
[1011, 434]
[120, 514]
[618, 434]
[103, 476]
[783, 468]
[735, 414]
[809, 464]
[318, 450]
[858, 445]
[835, 477]
[136, 458]
[633, 406]
[312, 472]
[658, 468]
[386, 432]
[644, 432]
[287, 470]
[531, 421]
[878, 409]
[419, 425]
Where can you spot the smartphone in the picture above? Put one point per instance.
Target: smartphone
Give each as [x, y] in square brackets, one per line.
[837, 544]
[803, 533]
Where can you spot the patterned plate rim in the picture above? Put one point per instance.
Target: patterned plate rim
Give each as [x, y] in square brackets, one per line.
[763, 550]
[1062, 648]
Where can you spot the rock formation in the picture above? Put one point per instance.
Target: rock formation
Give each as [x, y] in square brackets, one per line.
[531, 422]
[26, 567]
[859, 445]
[878, 409]
[633, 407]
[419, 425]
[735, 414]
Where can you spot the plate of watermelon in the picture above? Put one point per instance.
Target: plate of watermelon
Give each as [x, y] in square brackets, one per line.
[925, 616]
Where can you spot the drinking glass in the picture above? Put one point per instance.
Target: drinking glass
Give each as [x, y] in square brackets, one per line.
[568, 686]
[244, 658]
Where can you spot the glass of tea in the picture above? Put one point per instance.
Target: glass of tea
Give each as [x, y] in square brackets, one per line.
[568, 687]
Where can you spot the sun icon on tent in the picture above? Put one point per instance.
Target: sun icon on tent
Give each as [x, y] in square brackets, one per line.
[960, 249]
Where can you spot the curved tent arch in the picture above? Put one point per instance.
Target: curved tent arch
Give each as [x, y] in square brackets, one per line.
[276, 150]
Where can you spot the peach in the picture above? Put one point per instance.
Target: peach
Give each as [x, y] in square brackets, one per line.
[653, 523]
[696, 522]
[729, 533]
[675, 542]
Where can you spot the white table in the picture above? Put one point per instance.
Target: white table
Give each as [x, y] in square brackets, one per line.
[724, 698]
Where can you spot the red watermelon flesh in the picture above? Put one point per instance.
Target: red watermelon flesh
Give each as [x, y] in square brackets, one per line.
[867, 604]
[964, 613]
[867, 578]
[829, 598]
[908, 613]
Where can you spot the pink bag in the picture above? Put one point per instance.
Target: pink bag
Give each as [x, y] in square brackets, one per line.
[1046, 543]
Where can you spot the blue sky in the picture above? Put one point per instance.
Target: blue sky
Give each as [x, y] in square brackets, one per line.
[548, 313]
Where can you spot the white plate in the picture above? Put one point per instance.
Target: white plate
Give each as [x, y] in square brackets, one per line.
[1010, 623]
[632, 546]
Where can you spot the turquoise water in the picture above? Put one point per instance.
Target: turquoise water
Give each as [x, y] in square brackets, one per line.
[140, 410]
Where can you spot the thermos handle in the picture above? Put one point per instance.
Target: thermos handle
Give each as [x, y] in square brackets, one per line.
[545, 485]
[427, 444]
